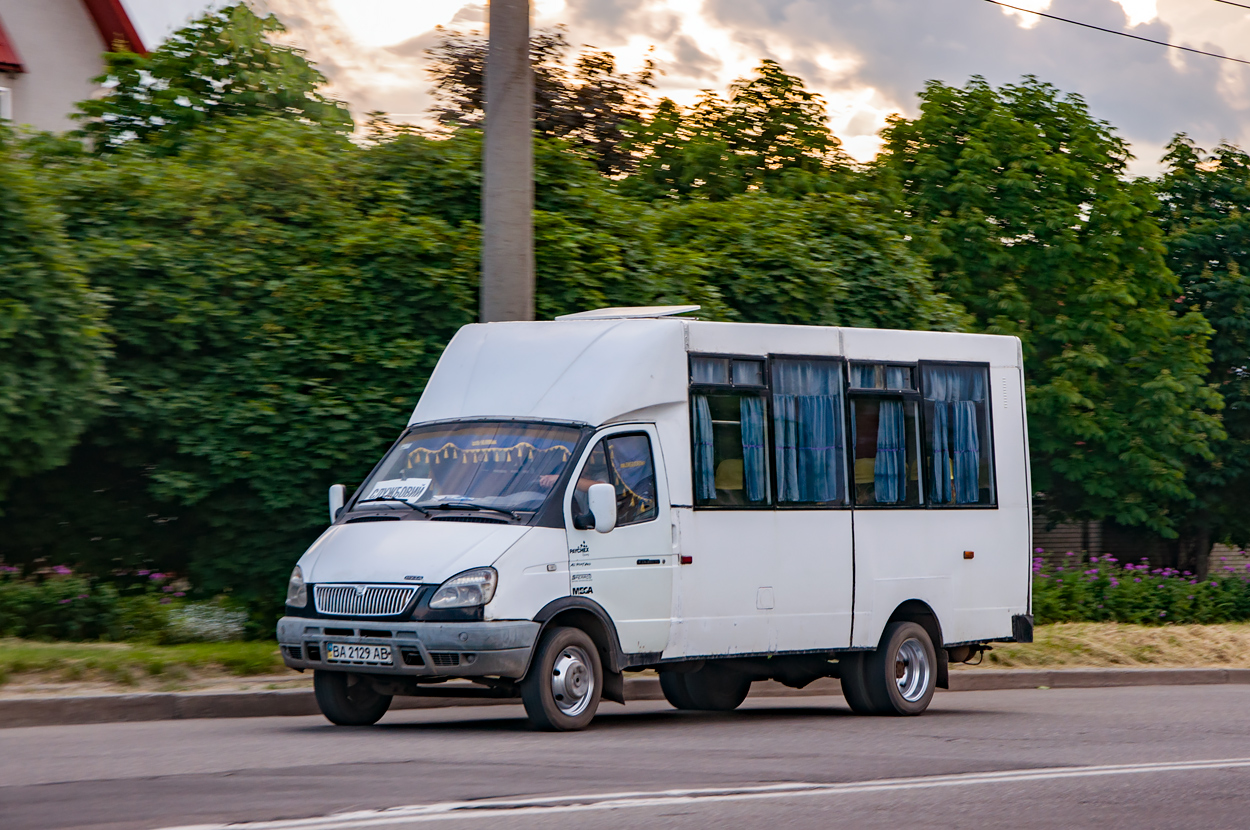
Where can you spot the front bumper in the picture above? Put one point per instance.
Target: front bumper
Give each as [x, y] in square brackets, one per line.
[418, 649]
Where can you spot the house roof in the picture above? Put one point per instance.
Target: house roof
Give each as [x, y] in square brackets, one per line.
[111, 21]
[9, 61]
[114, 24]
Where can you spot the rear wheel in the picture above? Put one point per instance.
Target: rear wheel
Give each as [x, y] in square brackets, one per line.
[854, 688]
[716, 688]
[561, 691]
[901, 675]
[673, 684]
[348, 699]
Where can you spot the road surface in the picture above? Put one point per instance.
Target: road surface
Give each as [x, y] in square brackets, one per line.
[1107, 758]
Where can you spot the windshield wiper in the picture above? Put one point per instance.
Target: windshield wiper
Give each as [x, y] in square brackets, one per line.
[424, 511]
[460, 505]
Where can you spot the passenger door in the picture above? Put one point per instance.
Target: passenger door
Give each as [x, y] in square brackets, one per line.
[629, 570]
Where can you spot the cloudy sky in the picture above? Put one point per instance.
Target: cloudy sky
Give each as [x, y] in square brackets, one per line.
[867, 57]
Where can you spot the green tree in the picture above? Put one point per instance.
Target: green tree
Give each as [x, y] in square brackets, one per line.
[1033, 227]
[587, 102]
[221, 65]
[771, 134]
[824, 259]
[272, 329]
[52, 338]
[1205, 213]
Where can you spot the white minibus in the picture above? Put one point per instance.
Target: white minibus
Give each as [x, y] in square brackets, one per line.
[623, 489]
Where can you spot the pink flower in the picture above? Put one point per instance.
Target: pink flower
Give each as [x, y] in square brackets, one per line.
[62, 570]
[180, 593]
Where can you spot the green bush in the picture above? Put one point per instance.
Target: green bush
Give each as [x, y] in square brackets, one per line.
[1105, 590]
[140, 606]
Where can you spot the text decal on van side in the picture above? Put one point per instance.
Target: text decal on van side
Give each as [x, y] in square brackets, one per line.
[582, 590]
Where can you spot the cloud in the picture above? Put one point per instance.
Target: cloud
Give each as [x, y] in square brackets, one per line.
[890, 48]
[868, 58]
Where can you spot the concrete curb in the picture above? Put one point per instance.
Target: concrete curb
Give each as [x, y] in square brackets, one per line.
[51, 711]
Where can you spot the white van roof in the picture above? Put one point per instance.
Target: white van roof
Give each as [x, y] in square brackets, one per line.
[595, 370]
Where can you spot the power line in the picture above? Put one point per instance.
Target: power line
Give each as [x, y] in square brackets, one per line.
[1124, 34]
[1231, 3]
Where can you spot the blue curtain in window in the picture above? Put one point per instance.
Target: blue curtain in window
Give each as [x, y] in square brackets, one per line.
[863, 377]
[939, 446]
[807, 430]
[704, 470]
[754, 457]
[967, 453]
[896, 378]
[890, 468]
[955, 432]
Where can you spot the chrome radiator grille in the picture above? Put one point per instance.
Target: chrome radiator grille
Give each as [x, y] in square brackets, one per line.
[363, 600]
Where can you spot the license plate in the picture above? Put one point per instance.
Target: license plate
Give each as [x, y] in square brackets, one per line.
[348, 653]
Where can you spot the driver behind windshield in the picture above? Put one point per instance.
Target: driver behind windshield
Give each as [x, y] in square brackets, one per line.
[490, 465]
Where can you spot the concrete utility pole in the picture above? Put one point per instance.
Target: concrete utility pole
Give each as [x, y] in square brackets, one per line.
[508, 167]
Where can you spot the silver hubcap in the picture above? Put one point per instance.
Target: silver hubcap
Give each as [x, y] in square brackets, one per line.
[572, 681]
[911, 670]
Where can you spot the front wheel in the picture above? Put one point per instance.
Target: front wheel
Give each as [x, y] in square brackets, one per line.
[562, 688]
[348, 699]
[901, 675]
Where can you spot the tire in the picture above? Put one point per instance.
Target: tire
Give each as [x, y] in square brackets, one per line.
[715, 688]
[854, 689]
[348, 699]
[673, 684]
[901, 675]
[561, 691]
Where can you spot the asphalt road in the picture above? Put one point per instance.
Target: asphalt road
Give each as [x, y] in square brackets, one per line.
[1105, 758]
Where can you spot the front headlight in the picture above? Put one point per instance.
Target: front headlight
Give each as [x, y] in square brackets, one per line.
[296, 590]
[466, 590]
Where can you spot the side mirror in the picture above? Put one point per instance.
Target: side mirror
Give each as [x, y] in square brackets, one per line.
[338, 495]
[602, 501]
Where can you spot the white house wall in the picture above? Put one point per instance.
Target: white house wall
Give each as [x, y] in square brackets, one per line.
[61, 51]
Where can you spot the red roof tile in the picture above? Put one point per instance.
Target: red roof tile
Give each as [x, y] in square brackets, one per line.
[114, 24]
[9, 61]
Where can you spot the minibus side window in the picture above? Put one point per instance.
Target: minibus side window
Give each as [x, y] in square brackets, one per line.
[625, 462]
[887, 468]
[730, 449]
[808, 428]
[958, 442]
[729, 422]
[885, 437]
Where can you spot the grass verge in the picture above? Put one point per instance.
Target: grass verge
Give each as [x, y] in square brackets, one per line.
[103, 667]
[132, 664]
[1123, 645]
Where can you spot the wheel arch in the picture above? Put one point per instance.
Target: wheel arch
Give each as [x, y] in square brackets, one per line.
[920, 612]
[589, 616]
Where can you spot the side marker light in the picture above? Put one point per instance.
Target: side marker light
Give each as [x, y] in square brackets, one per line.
[969, 554]
[687, 560]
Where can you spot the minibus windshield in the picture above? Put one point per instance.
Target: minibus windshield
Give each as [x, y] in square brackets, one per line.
[484, 465]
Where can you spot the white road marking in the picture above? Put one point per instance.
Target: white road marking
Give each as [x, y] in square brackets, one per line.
[547, 805]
